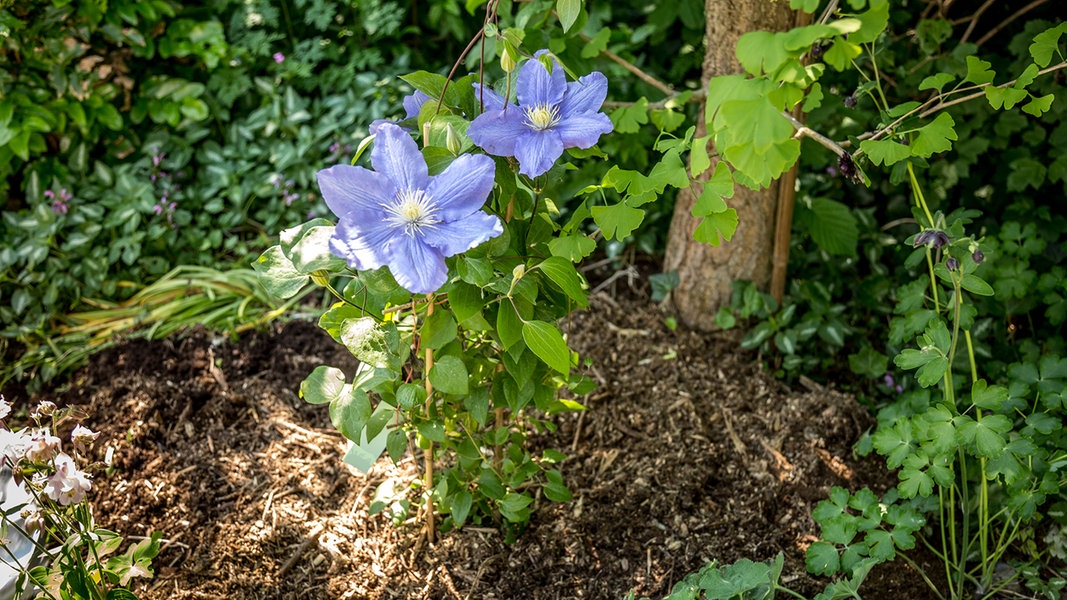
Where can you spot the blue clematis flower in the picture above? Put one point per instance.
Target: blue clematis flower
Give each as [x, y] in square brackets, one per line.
[399, 216]
[413, 104]
[552, 115]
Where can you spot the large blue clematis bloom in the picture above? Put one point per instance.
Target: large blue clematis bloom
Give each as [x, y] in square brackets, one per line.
[552, 115]
[399, 216]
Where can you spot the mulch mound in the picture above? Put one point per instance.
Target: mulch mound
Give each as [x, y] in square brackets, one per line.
[689, 452]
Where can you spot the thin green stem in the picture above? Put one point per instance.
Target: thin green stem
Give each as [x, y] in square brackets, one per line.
[922, 574]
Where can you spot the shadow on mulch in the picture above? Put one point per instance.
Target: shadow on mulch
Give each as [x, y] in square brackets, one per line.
[689, 452]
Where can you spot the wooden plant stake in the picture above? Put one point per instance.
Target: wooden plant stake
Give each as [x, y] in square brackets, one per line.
[428, 453]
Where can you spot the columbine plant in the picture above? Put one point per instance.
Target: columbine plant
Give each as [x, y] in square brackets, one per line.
[49, 535]
[453, 284]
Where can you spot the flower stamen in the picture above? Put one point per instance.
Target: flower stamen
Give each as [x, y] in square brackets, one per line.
[541, 116]
[411, 210]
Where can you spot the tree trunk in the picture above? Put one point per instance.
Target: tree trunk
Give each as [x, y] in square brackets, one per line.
[706, 273]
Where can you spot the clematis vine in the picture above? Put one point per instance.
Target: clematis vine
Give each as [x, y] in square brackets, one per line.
[551, 116]
[399, 216]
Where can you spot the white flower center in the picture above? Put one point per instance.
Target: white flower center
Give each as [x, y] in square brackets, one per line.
[541, 116]
[411, 210]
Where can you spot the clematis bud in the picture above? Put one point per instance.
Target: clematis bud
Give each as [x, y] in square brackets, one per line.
[978, 256]
[452, 141]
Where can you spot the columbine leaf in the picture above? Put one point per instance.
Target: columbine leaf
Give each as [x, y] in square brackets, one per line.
[885, 152]
[989, 397]
[822, 559]
[934, 137]
[547, 343]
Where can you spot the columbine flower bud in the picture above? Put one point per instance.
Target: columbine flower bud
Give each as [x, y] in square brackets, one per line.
[850, 102]
[978, 256]
[931, 237]
[847, 168]
[952, 264]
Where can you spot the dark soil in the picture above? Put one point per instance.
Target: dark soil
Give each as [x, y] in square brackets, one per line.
[689, 452]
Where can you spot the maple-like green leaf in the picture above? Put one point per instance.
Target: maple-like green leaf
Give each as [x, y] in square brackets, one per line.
[885, 152]
[978, 71]
[717, 227]
[617, 221]
[1039, 106]
[936, 136]
[1046, 43]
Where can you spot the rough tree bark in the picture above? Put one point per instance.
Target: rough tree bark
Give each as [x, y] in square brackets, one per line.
[706, 273]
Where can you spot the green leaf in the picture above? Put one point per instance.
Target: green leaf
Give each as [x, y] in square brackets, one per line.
[1005, 98]
[508, 324]
[568, 11]
[617, 221]
[572, 247]
[988, 397]
[371, 343]
[449, 375]
[515, 507]
[822, 559]
[868, 362]
[762, 124]
[978, 71]
[699, 161]
[439, 329]
[475, 271]
[936, 82]
[1039, 106]
[432, 85]
[833, 227]
[554, 488]
[349, 413]
[913, 480]
[547, 343]
[761, 51]
[278, 275]
[840, 54]
[880, 543]
[410, 395]
[976, 285]
[934, 137]
[985, 435]
[562, 272]
[461, 507]
[885, 152]
[874, 22]
[1046, 43]
[717, 227]
[1025, 172]
[629, 119]
[719, 186]
[323, 385]
[465, 300]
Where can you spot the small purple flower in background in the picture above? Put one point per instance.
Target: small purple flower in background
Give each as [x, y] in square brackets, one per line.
[889, 383]
[279, 57]
[413, 104]
[59, 201]
[399, 216]
[552, 115]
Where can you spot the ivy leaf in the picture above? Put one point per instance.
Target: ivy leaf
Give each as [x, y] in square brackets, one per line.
[934, 137]
[1046, 43]
[349, 413]
[885, 152]
[278, 274]
[547, 343]
[978, 71]
[1039, 106]
[617, 221]
[717, 227]
[370, 343]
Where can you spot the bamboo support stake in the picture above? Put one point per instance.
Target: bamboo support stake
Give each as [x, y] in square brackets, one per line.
[427, 456]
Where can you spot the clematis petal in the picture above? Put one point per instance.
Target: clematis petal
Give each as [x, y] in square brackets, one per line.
[495, 131]
[363, 244]
[585, 95]
[413, 104]
[537, 151]
[583, 130]
[537, 86]
[417, 267]
[463, 234]
[397, 156]
[461, 189]
[490, 100]
[354, 192]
